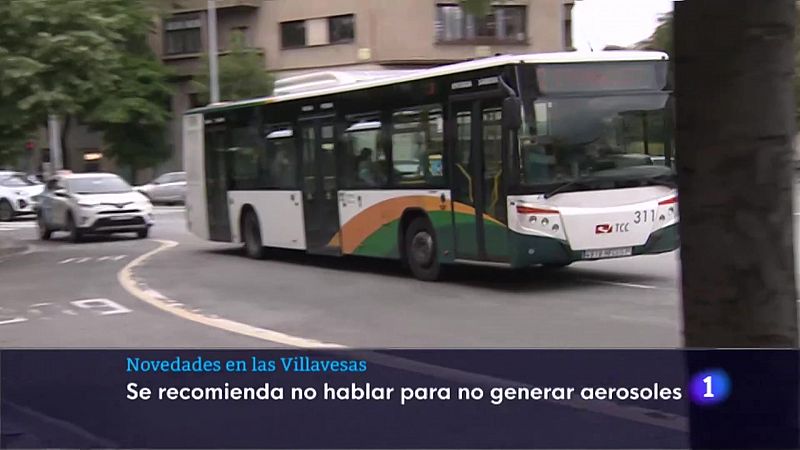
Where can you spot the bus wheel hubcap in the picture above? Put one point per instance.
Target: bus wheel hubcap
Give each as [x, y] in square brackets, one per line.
[422, 248]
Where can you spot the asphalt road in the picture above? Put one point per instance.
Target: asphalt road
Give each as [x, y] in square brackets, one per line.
[177, 291]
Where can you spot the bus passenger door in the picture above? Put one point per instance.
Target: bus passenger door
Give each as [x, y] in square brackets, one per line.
[479, 205]
[320, 201]
[219, 228]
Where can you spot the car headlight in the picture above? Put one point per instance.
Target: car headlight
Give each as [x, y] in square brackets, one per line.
[86, 205]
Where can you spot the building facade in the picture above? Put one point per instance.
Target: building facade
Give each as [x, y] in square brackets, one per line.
[298, 36]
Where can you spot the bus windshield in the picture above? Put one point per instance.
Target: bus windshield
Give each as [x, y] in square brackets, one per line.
[604, 137]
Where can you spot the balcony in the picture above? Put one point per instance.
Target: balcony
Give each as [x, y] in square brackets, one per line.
[186, 6]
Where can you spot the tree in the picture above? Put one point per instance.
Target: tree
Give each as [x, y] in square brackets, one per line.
[241, 74]
[734, 138]
[477, 8]
[734, 72]
[134, 116]
[62, 56]
[662, 39]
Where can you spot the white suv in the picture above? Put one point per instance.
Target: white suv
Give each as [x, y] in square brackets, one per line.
[93, 203]
[18, 195]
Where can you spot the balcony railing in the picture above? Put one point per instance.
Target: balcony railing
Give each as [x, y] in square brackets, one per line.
[184, 6]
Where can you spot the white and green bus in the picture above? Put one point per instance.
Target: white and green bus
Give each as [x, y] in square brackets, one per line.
[517, 160]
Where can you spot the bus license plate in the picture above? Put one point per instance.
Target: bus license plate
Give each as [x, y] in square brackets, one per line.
[607, 253]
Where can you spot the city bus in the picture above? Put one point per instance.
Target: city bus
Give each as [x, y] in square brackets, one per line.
[513, 160]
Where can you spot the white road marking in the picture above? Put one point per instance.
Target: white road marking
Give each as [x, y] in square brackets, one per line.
[13, 320]
[105, 306]
[154, 298]
[34, 308]
[49, 310]
[93, 259]
[620, 284]
[160, 301]
[11, 226]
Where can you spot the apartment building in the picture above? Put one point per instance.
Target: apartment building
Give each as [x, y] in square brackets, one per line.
[297, 36]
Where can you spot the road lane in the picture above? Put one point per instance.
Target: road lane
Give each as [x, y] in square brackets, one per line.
[81, 304]
[632, 302]
[368, 303]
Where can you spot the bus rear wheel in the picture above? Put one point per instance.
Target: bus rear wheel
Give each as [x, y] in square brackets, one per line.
[421, 250]
[251, 235]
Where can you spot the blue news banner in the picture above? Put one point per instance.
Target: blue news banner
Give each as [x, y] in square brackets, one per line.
[556, 399]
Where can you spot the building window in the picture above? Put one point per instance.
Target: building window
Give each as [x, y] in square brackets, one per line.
[242, 33]
[504, 24]
[341, 29]
[293, 34]
[182, 35]
[568, 25]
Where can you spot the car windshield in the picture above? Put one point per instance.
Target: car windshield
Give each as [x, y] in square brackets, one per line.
[572, 138]
[16, 180]
[99, 185]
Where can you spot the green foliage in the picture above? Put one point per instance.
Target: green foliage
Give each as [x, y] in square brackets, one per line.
[241, 74]
[478, 8]
[662, 39]
[83, 58]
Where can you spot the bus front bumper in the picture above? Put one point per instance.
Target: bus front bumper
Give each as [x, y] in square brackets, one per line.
[530, 250]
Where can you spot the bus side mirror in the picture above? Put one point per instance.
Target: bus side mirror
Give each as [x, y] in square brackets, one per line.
[512, 118]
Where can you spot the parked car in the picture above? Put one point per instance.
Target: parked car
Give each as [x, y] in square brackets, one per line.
[169, 188]
[89, 203]
[18, 195]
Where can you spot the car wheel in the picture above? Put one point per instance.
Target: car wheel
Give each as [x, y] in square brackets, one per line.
[251, 235]
[75, 234]
[421, 250]
[142, 234]
[44, 231]
[6, 211]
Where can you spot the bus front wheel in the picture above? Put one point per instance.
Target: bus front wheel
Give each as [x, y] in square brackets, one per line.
[251, 235]
[421, 250]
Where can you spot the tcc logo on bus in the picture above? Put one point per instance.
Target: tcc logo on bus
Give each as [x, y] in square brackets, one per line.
[608, 228]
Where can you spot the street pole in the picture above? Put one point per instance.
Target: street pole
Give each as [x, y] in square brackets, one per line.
[53, 126]
[213, 61]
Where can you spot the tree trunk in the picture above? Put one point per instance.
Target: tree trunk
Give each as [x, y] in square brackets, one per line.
[735, 128]
[734, 63]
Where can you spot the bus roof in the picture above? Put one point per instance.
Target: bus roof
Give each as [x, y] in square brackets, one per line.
[319, 83]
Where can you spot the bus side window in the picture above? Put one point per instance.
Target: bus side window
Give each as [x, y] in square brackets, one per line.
[281, 157]
[417, 147]
[365, 158]
[249, 165]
